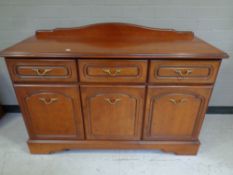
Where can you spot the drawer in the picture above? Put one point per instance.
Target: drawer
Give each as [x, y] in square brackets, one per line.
[112, 71]
[183, 71]
[27, 70]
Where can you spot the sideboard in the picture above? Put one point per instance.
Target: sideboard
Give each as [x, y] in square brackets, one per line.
[113, 86]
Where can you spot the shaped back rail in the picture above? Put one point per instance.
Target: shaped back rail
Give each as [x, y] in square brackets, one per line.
[116, 31]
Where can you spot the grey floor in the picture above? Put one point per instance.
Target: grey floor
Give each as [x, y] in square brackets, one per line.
[215, 155]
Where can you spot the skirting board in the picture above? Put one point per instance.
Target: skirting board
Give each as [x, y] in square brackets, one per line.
[1, 111]
[211, 109]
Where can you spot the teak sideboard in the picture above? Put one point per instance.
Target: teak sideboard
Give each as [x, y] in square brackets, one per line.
[113, 86]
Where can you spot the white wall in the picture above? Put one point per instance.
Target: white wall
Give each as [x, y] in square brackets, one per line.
[211, 20]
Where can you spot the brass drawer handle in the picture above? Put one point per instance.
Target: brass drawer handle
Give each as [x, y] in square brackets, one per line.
[174, 101]
[112, 101]
[41, 72]
[111, 73]
[48, 101]
[183, 72]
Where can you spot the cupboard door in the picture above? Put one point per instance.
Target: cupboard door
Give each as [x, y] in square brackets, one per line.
[113, 112]
[175, 113]
[51, 112]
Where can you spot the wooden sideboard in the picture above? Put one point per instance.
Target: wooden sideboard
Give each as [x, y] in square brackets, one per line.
[113, 86]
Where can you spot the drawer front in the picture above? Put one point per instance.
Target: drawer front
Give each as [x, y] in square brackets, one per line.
[23, 70]
[183, 71]
[112, 71]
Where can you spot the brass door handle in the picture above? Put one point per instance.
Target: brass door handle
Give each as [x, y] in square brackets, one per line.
[41, 72]
[48, 101]
[183, 72]
[112, 101]
[112, 73]
[174, 101]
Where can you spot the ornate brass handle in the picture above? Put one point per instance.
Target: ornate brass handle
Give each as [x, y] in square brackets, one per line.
[183, 72]
[111, 73]
[41, 72]
[112, 101]
[174, 101]
[48, 101]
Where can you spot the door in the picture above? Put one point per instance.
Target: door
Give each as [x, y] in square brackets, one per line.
[175, 113]
[113, 112]
[51, 112]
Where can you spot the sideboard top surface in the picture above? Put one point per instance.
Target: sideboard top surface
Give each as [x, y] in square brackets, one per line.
[114, 40]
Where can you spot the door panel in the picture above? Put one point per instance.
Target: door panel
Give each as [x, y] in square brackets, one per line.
[113, 112]
[175, 112]
[51, 112]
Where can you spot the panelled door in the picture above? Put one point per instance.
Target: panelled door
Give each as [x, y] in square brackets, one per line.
[113, 112]
[51, 112]
[175, 112]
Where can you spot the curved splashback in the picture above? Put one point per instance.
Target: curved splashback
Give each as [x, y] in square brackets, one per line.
[115, 31]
